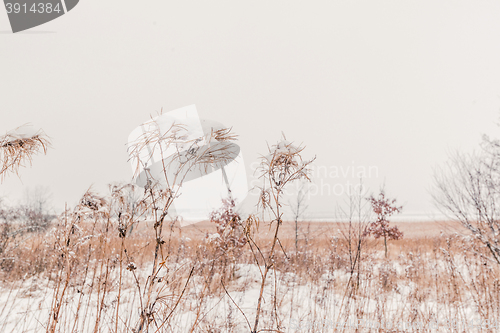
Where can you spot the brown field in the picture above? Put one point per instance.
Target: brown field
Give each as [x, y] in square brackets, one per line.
[410, 229]
[430, 276]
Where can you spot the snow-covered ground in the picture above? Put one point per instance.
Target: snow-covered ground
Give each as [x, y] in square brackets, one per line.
[300, 306]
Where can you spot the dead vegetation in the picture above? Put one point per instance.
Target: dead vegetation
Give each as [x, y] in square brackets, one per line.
[83, 276]
[118, 263]
[18, 148]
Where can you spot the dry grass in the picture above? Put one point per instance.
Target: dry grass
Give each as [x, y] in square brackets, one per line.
[428, 277]
[118, 264]
[16, 151]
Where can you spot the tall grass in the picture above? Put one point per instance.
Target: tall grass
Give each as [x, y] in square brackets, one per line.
[18, 147]
[77, 279]
[118, 263]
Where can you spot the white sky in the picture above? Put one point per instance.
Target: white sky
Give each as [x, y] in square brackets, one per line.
[389, 84]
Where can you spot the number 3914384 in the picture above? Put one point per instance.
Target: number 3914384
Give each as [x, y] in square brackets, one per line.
[36, 8]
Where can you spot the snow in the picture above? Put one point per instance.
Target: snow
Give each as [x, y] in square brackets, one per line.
[303, 306]
[23, 132]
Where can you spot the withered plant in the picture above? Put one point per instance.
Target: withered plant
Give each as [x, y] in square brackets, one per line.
[82, 240]
[126, 210]
[230, 233]
[16, 150]
[73, 238]
[283, 165]
[383, 208]
[179, 157]
[298, 209]
[468, 191]
[354, 234]
[230, 237]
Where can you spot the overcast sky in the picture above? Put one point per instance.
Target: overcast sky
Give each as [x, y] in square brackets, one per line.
[391, 85]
